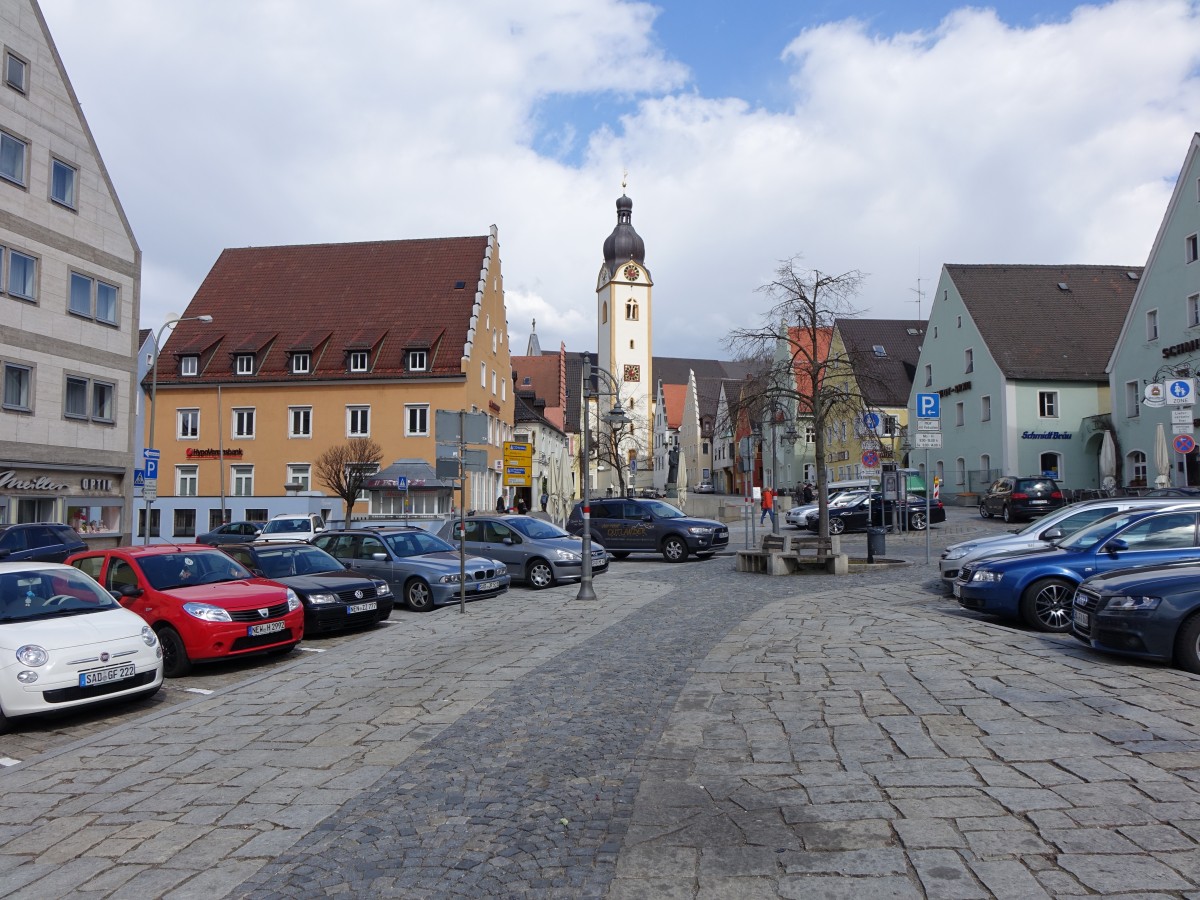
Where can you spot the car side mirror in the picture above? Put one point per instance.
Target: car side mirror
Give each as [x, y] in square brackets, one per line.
[647, 518]
[128, 592]
[1112, 545]
[381, 557]
[1052, 534]
[509, 541]
[318, 529]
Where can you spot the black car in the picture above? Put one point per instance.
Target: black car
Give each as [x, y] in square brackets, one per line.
[871, 509]
[334, 598]
[39, 542]
[1185, 492]
[628, 525]
[1018, 499]
[231, 533]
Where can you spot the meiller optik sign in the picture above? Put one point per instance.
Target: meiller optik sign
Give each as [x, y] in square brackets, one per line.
[10, 480]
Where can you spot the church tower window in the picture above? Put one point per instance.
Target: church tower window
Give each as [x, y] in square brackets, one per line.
[631, 310]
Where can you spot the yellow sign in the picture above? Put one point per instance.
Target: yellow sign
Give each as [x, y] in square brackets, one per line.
[517, 480]
[518, 450]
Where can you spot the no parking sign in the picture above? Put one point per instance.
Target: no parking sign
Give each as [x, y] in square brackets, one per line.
[1184, 443]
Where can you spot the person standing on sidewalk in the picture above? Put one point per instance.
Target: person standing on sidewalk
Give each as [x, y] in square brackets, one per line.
[768, 506]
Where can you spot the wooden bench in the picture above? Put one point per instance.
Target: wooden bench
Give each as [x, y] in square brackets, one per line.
[791, 554]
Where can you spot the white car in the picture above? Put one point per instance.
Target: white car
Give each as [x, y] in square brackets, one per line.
[798, 515]
[291, 527]
[65, 642]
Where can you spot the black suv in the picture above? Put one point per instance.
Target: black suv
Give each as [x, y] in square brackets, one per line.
[1016, 499]
[627, 525]
[39, 542]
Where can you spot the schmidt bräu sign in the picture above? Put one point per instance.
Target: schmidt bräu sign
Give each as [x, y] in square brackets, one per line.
[1047, 435]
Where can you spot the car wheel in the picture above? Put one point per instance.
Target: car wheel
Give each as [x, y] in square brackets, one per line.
[984, 512]
[1187, 646]
[418, 596]
[618, 554]
[836, 525]
[917, 521]
[538, 574]
[1046, 605]
[176, 663]
[1006, 514]
[674, 550]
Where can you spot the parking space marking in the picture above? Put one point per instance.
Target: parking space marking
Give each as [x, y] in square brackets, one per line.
[9, 761]
[312, 649]
[198, 690]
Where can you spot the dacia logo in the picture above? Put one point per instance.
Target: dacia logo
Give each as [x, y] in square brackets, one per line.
[263, 613]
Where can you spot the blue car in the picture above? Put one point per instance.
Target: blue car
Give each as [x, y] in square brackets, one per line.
[1151, 613]
[1038, 586]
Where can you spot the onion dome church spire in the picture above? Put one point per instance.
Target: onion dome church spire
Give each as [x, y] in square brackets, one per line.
[624, 244]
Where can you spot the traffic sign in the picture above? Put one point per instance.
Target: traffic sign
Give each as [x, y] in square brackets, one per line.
[927, 440]
[870, 443]
[402, 482]
[150, 453]
[871, 420]
[139, 477]
[929, 424]
[1184, 443]
[929, 406]
[151, 468]
[1182, 416]
[1181, 428]
[870, 459]
[150, 490]
[1181, 392]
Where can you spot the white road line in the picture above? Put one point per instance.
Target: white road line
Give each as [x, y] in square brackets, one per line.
[311, 649]
[8, 761]
[197, 691]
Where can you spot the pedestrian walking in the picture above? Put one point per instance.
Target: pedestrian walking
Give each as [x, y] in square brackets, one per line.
[768, 506]
[522, 506]
[808, 493]
[545, 500]
[500, 504]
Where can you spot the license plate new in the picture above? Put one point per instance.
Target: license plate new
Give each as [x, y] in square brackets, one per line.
[362, 607]
[957, 590]
[488, 586]
[1083, 619]
[265, 628]
[1038, 502]
[104, 676]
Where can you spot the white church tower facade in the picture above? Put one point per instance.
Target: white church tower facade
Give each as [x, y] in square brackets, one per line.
[623, 306]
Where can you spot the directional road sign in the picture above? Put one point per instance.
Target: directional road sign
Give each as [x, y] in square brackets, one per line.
[929, 406]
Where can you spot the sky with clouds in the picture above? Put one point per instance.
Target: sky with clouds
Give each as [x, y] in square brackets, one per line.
[888, 138]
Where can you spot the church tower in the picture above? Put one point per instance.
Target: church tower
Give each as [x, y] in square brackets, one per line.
[623, 292]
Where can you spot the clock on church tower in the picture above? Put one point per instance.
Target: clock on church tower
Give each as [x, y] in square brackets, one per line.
[633, 373]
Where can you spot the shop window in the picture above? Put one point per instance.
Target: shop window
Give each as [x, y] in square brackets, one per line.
[90, 517]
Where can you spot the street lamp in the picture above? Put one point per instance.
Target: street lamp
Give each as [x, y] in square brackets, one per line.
[616, 416]
[170, 323]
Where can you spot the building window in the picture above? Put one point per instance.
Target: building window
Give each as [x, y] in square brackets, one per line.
[960, 471]
[928, 374]
[1133, 399]
[985, 409]
[483, 375]
[104, 401]
[13, 152]
[1051, 465]
[243, 423]
[75, 405]
[358, 421]
[301, 363]
[631, 310]
[416, 420]
[189, 366]
[17, 381]
[970, 361]
[960, 413]
[1152, 325]
[63, 180]
[300, 421]
[1193, 310]
[187, 481]
[1135, 466]
[300, 474]
[985, 466]
[493, 384]
[418, 360]
[891, 426]
[93, 299]
[244, 364]
[22, 275]
[188, 424]
[960, 321]
[185, 523]
[1048, 404]
[242, 480]
[358, 361]
[810, 435]
[1190, 242]
[16, 72]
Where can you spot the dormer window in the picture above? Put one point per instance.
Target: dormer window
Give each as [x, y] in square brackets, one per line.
[301, 363]
[418, 360]
[189, 366]
[358, 360]
[244, 364]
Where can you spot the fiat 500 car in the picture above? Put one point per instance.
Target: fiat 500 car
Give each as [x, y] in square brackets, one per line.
[202, 604]
[65, 642]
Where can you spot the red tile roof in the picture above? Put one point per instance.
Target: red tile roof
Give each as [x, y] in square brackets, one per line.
[674, 396]
[384, 296]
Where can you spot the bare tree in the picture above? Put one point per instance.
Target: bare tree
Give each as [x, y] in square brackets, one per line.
[345, 468]
[803, 374]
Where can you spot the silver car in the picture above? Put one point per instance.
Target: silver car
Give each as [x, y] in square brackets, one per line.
[798, 515]
[536, 552]
[1040, 532]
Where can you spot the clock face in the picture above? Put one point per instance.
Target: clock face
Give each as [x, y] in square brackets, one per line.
[632, 273]
[633, 373]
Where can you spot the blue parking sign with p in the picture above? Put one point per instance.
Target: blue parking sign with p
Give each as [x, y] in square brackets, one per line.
[929, 406]
[151, 466]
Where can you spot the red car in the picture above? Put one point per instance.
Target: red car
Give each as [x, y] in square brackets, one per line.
[202, 604]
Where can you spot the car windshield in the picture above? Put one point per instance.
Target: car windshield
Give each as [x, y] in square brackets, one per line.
[1089, 537]
[287, 526]
[283, 562]
[663, 510]
[414, 543]
[537, 529]
[186, 568]
[49, 594]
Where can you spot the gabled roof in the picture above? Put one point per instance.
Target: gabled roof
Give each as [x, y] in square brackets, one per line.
[674, 396]
[1052, 323]
[676, 369]
[884, 376]
[385, 296]
[804, 354]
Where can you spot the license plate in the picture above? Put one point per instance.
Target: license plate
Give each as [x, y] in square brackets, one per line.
[1038, 502]
[1083, 619]
[488, 586]
[957, 589]
[104, 676]
[265, 628]
[361, 607]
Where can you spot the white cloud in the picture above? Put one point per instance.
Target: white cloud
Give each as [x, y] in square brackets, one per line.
[230, 123]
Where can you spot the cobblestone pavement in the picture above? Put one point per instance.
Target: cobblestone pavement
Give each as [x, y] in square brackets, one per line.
[693, 733]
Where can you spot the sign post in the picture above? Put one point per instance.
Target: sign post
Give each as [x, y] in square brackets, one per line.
[929, 409]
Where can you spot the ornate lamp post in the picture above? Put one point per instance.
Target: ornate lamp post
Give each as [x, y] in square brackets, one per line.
[616, 416]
